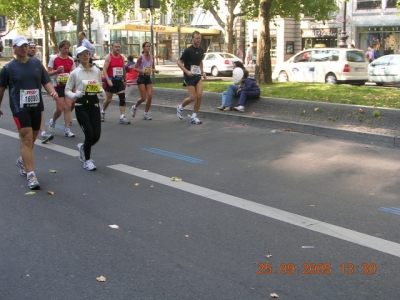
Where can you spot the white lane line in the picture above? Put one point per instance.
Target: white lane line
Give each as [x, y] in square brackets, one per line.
[277, 214]
[51, 146]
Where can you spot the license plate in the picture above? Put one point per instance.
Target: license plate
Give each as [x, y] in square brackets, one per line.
[359, 69]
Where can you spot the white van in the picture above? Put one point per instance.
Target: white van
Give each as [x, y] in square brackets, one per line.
[330, 65]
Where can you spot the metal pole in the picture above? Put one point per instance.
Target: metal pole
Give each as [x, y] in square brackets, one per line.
[343, 37]
[244, 41]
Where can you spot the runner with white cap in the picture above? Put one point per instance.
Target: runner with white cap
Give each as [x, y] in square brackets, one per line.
[24, 77]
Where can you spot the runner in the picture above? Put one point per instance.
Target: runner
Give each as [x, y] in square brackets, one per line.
[60, 65]
[86, 79]
[114, 74]
[45, 137]
[24, 77]
[192, 66]
[144, 66]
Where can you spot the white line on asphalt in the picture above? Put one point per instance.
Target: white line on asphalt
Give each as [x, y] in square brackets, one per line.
[277, 214]
[51, 146]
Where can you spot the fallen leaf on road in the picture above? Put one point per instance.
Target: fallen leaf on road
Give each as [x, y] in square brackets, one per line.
[176, 179]
[114, 226]
[30, 193]
[136, 184]
[361, 110]
[268, 255]
[186, 235]
[316, 109]
[53, 171]
[274, 295]
[50, 192]
[287, 129]
[101, 279]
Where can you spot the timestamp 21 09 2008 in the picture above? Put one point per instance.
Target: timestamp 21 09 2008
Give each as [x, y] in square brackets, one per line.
[317, 268]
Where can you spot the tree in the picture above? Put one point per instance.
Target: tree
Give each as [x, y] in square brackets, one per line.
[232, 10]
[269, 10]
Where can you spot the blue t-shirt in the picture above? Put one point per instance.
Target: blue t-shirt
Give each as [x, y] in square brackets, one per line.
[19, 77]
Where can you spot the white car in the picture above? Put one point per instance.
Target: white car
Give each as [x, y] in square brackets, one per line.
[219, 62]
[385, 69]
[330, 65]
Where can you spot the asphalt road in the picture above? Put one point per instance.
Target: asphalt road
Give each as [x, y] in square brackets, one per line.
[258, 211]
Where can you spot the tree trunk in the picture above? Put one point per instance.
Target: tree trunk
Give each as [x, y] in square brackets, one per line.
[53, 39]
[263, 69]
[229, 30]
[43, 23]
[79, 19]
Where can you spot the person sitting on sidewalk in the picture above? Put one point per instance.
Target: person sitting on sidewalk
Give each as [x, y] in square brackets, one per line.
[250, 90]
[228, 95]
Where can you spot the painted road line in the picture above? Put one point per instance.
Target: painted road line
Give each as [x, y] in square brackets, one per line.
[55, 147]
[174, 155]
[277, 214]
[393, 210]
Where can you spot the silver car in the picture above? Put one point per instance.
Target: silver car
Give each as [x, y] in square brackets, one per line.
[219, 62]
[385, 69]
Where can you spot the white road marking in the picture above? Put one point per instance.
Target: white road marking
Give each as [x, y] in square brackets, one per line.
[38, 142]
[277, 214]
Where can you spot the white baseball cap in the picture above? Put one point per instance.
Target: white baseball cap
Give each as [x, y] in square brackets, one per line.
[20, 40]
[80, 49]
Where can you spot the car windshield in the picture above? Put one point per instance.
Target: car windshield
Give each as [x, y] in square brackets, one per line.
[355, 56]
[227, 55]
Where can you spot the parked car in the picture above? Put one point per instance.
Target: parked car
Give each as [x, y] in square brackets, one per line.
[385, 69]
[330, 65]
[219, 62]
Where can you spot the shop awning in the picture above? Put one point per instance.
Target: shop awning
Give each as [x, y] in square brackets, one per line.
[162, 29]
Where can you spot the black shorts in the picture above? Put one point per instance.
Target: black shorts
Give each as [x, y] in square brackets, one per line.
[117, 87]
[60, 91]
[191, 80]
[143, 80]
[30, 118]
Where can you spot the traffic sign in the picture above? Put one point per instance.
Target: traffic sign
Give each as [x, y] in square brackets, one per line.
[3, 23]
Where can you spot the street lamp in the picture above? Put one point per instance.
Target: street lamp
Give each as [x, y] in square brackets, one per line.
[343, 37]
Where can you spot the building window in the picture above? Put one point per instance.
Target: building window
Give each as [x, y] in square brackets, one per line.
[391, 3]
[368, 4]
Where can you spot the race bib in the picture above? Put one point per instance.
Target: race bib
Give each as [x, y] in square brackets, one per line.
[62, 78]
[195, 69]
[91, 86]
[147, 69]
[29, 98]
[118, 72]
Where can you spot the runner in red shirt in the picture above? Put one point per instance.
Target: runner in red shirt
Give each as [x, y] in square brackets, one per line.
[60, 65]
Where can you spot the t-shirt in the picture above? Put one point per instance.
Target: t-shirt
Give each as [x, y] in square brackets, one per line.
[192, 56]
[24, 80]
[56, 61]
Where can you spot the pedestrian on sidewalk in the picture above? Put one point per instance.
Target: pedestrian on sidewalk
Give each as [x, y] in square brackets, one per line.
[250, 90]
[191, 63]
[114, 74]
[86, 80]
[60, 66]
[145, 67]
[249, 55]
[24, 77]
[238, 80]
[239, 53]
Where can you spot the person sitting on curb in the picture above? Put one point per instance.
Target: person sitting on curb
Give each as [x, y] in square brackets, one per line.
[250, 90]
[228, 95]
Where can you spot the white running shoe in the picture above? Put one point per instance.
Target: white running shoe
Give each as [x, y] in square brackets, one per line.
[133, 111]
[88, 165]
[81, 152]
[239, 108]
[33, 183]
[179, 113]
[46, 138]
[146, 117]
[68, 133]
[52, 126]
[124, 121]
[20, 165]
[195, 121]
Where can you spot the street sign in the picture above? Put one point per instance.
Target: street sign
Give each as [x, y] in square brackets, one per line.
[3, 23]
